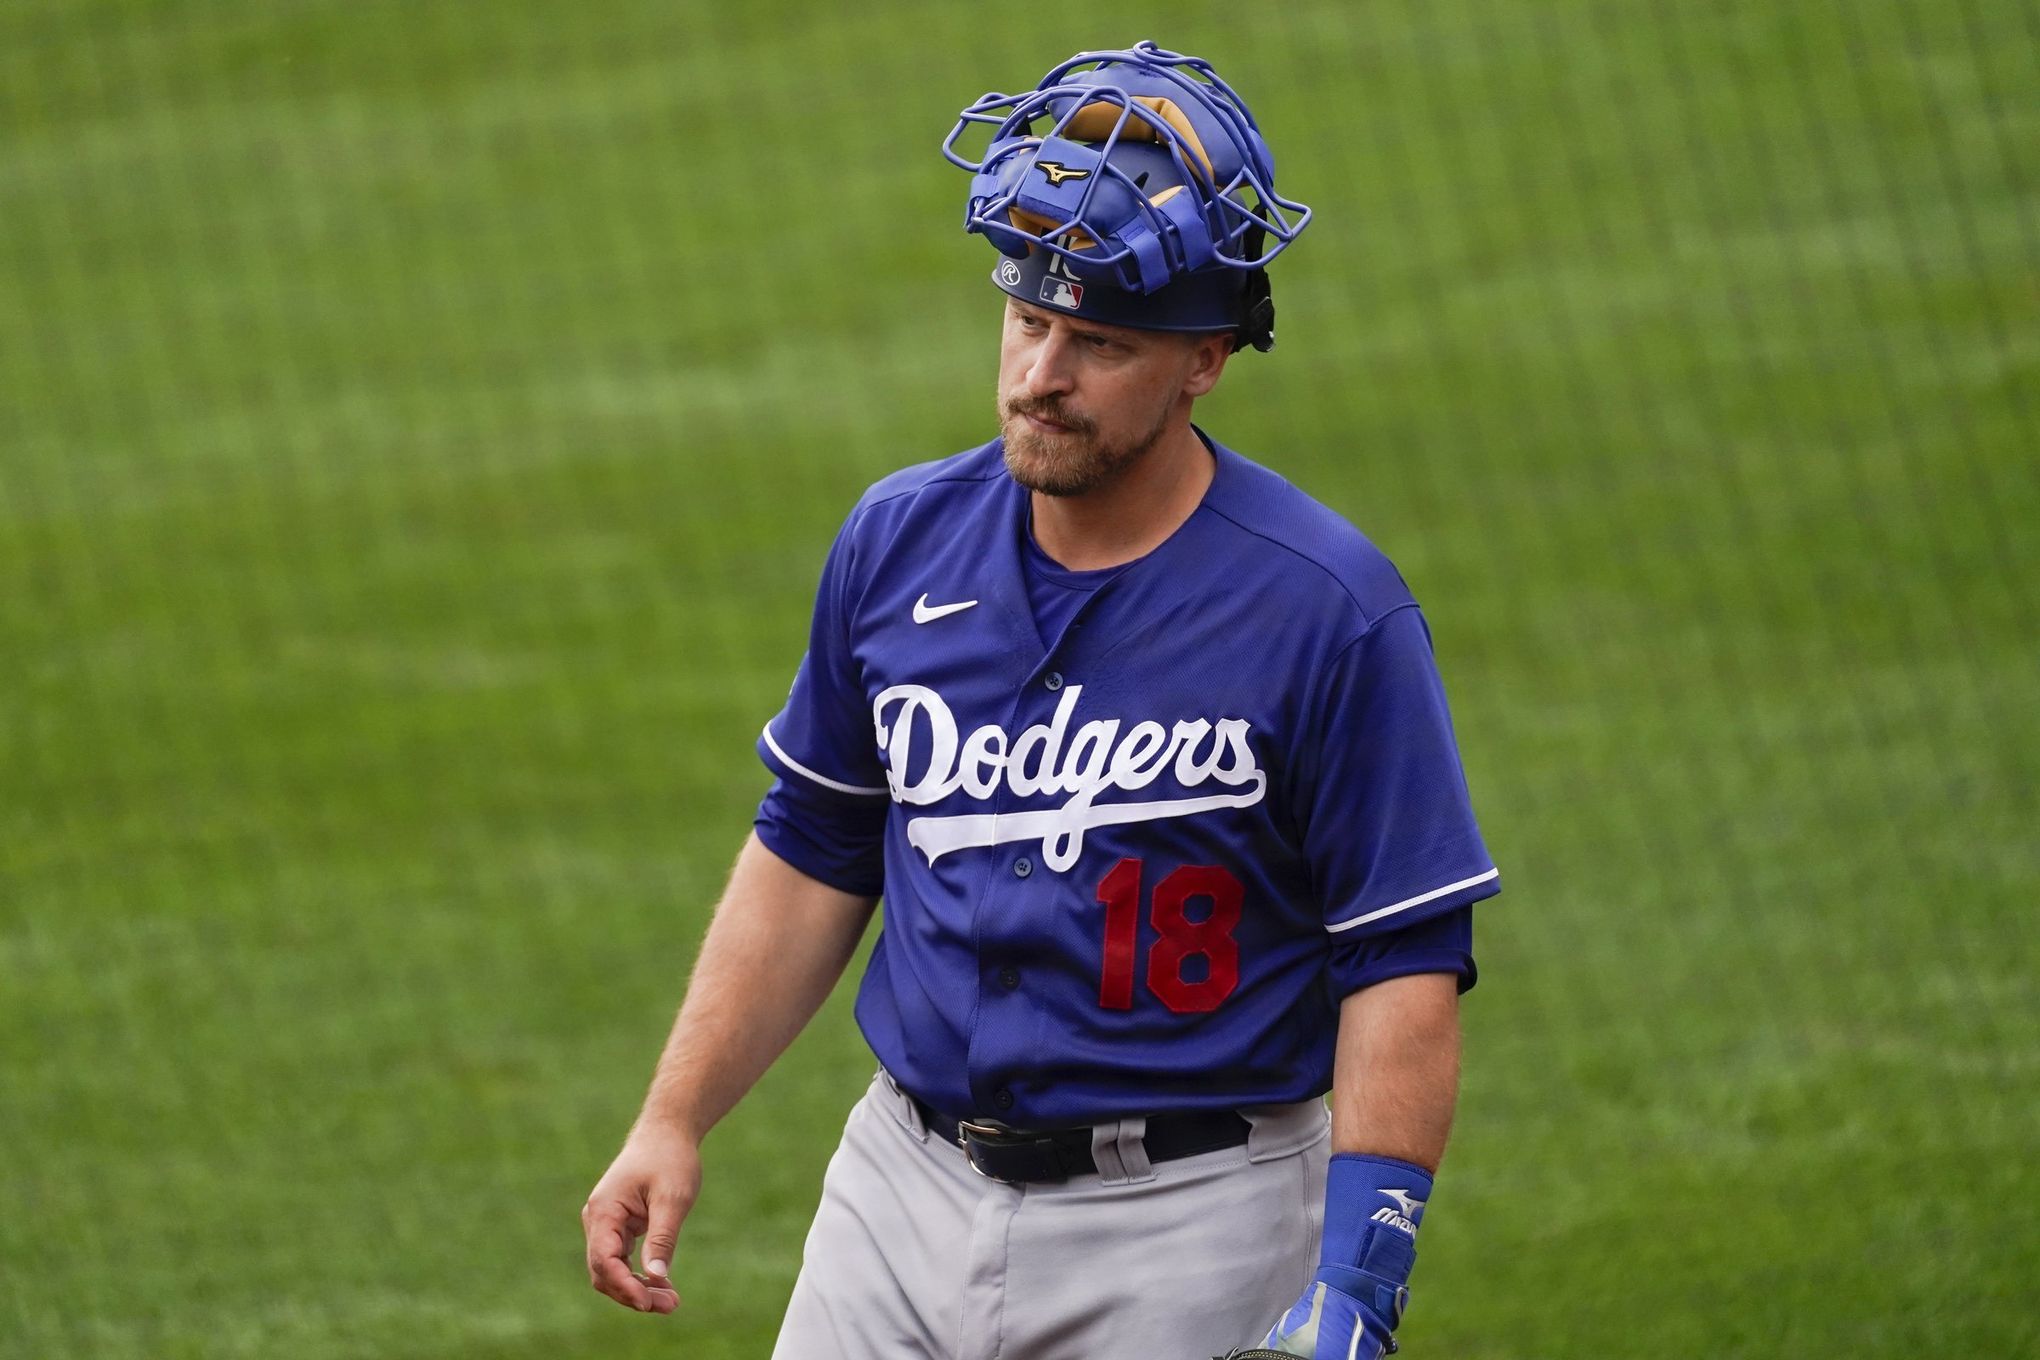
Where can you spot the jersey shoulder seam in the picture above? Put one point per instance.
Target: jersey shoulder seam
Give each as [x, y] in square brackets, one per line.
[956, 473]
[1367, 621]
[870, 501]
[1350, 643]
[923, 486]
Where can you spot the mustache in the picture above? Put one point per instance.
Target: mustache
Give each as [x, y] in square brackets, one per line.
[1050, 410]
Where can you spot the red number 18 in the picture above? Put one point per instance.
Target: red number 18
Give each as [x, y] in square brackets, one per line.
[1180, 938]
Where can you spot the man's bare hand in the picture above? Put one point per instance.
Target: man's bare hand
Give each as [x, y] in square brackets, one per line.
[775, 946]
[646, 1192]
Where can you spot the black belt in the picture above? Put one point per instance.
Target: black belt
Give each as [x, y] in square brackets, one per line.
[1016, 1155]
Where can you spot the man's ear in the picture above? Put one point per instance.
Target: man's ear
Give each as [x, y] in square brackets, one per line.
[1208, 354]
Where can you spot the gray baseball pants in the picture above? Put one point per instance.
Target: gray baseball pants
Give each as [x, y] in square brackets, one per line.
[915, 1256]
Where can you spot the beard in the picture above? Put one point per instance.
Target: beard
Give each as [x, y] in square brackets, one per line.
[1075, 462]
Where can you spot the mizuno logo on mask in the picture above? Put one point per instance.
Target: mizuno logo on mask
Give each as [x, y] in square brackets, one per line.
[1050, 758]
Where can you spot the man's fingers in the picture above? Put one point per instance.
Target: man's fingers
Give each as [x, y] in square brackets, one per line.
[609, 1242]
[662, 1231]
[613, 1277]
[645, 1195]
[661, 1296]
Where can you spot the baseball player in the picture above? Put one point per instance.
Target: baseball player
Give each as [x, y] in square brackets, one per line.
[1147, 754]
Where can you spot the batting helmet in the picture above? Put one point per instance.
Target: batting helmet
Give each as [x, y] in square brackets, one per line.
[1131, 187]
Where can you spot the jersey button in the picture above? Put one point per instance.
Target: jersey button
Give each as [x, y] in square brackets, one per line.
[1009, 978]
[1003, 1098]
[1053, 680]
[1022, 867]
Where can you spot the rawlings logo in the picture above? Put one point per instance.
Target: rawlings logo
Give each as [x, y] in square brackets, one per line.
[1049, 758]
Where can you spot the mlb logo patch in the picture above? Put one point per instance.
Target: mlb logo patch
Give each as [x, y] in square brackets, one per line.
[1062, 293]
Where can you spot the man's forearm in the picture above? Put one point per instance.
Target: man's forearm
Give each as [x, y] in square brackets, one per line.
[1396, 1079]
[1394, 1083]
[777, 944]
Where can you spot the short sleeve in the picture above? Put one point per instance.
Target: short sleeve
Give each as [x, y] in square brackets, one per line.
[1388, 826]
[831, 838]
[1435, 944]
[823, 737]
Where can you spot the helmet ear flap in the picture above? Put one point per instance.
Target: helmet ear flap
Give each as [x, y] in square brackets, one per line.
[1257, 324]
[1257, 304]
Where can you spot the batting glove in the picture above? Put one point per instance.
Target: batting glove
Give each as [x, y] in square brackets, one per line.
[1350, 1310]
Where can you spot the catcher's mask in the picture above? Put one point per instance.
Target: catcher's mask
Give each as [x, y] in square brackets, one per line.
[1135, 191]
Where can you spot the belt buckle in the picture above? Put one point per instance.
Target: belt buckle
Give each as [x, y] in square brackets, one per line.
[965, 1131]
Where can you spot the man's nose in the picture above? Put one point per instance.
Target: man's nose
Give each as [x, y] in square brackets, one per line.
[1050, 371]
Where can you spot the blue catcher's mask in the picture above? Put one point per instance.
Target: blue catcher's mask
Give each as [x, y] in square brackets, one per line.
[1137, 192]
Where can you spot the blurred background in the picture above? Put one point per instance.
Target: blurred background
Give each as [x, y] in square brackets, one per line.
[420, 429]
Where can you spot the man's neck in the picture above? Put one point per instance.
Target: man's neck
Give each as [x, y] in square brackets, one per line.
[1133, 516]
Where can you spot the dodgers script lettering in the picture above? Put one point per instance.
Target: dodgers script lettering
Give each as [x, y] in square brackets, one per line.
[917, 732]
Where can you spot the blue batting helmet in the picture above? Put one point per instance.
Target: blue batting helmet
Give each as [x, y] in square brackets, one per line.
[1131, 187]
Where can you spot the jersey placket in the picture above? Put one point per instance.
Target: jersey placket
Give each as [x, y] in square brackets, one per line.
[1019, 889]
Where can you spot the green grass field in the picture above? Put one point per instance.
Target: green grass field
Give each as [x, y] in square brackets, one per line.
[420, 427]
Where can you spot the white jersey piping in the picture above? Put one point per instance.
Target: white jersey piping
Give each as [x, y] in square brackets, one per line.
[1416, 901]
[821, 779]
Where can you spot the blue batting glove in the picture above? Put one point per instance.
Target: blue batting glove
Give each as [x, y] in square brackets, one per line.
[1350, 1310]
[1328, 1323]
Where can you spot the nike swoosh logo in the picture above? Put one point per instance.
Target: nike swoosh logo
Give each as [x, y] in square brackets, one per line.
[924, 613]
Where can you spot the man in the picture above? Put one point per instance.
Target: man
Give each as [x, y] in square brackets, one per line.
[1148, 754]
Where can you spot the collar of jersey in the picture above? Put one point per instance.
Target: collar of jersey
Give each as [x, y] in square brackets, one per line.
[1213, 499]
[1128, 576]
[1054, 572]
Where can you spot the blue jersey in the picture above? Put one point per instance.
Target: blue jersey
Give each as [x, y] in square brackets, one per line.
[1131, 867]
